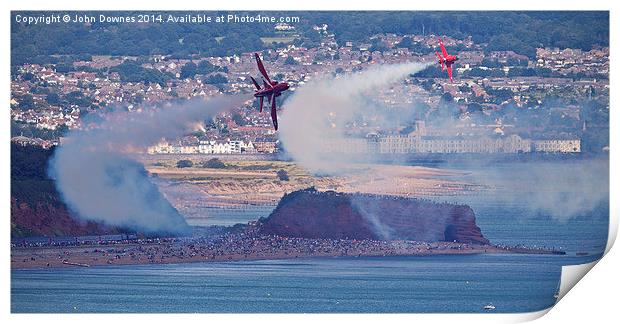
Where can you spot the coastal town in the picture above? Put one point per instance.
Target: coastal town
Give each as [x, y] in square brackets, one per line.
[494, 97]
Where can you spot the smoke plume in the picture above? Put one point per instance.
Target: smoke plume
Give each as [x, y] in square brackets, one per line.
[561, 189]
[319, 111]
[99, 180]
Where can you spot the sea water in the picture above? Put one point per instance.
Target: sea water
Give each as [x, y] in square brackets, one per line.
[448, 283]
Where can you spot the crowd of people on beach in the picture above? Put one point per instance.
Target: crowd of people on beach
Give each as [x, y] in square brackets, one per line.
[247, 243]
[81, 241]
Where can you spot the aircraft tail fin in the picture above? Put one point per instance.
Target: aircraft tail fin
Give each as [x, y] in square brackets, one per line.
[274, 116]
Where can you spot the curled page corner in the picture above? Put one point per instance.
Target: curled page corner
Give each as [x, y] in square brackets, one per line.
[613, 231]
[526, 317]
[571, 275]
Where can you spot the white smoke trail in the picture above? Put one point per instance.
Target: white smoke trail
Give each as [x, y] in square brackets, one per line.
[318, 112]
[101, 183]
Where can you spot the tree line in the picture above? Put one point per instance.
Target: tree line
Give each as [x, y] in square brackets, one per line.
[521, 32]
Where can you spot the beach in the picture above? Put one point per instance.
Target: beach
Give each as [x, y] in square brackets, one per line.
[254, 182]
[247, 245]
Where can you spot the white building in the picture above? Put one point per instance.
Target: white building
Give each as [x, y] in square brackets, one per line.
[557, 145]
[227, 147]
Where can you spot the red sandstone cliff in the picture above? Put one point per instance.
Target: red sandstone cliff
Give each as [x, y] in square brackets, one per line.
[45, 219]
[312, 214]
[36, 206]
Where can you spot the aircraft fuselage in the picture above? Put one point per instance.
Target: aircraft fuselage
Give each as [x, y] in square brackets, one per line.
[277, 89]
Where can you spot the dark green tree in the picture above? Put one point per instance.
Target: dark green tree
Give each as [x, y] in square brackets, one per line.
[205, 67]
[282, 175]
[185, 164]
[216, 79]
[53, 99]
[290, 61]
[189, 70]
[26, 102]
[214, 163]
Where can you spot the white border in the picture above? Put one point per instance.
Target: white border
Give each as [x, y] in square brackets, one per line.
[593, 299]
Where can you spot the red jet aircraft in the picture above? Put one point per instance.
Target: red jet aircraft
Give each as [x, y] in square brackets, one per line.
[271, 90]
[446, 60]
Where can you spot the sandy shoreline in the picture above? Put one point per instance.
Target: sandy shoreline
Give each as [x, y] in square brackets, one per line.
[244, 183]
[235, 248]
[252, 186]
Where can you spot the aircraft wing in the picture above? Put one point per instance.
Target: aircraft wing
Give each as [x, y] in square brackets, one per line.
[255, 83]
[443, 48]
[443, 67]
[274, 116]
[261, 67]
[450, 72]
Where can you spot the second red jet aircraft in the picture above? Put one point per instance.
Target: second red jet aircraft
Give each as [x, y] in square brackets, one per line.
[446, 60]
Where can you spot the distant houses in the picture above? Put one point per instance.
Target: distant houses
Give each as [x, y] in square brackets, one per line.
[53, 97]
[420, 142]
[205, 147]
[405, 144]
[29, 141]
